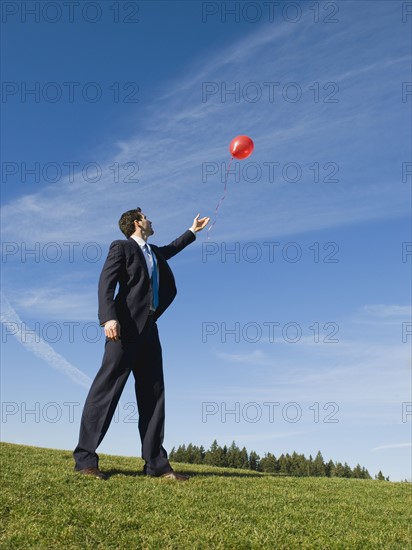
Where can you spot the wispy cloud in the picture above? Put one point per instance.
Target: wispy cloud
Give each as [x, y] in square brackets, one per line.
[392, 446]
[56, 303]
[387, 312]
[37, 345]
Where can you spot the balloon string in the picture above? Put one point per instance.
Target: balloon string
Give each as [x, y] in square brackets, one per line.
[222, 199]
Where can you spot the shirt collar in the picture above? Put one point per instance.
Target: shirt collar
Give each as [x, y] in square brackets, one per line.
[141, 242]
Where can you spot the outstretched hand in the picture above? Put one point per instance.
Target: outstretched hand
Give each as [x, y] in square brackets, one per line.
[199, 223]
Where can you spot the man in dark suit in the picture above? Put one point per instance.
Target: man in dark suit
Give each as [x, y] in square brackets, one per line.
[146, 289]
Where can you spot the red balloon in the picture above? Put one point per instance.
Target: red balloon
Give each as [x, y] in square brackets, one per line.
[241, 147]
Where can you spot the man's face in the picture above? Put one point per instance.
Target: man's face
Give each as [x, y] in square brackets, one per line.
[146, 225]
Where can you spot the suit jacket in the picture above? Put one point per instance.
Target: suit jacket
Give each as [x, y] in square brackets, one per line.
[126, 265]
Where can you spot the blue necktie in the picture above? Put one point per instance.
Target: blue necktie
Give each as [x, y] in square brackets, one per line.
[155, 286]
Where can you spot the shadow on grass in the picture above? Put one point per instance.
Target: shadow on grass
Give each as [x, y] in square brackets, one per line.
[191, 473]
[220, 474]
[119, 472]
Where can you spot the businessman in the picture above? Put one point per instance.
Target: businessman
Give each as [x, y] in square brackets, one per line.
[146, 289]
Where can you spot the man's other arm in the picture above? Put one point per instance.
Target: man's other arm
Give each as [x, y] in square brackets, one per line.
[108, 280]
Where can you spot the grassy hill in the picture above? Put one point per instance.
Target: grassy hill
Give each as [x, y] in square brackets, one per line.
[45, 504]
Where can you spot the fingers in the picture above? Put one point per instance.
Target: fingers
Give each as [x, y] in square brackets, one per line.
[200, 223]
[112, 331]
[111, 334]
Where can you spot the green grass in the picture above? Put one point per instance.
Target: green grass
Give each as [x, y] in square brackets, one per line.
[45, 504]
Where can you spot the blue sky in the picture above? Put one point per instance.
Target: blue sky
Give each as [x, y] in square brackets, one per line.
[295, 312]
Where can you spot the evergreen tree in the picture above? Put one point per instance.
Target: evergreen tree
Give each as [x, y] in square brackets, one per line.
[254, 460]
[303, 465]
[268, 463]
[330, 469]
[365, 474]
[244, 459]
[318, 466]
[211, 454]
[198, 455]
[180, 454]
[288, 463]
[347, 472]
[339, 470]
[357, 472]
[189, 454]
[283, 466]
[295, 465]
[223, 457]
[215, 455]
[233, 456]
[310, 465]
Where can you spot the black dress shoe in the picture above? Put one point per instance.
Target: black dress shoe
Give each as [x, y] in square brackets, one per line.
[95, 472]
[175, 476]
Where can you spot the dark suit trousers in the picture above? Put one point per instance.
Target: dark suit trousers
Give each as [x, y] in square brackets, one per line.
[143, 357]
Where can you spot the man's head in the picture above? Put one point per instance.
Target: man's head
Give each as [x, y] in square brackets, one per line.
[135, 222]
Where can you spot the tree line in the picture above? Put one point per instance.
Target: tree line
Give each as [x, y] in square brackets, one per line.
[286, 464]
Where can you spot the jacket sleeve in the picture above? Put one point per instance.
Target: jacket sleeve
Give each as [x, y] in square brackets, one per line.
[108, 280]
[177, 245]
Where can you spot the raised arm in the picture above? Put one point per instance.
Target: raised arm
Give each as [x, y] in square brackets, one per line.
[188, 237]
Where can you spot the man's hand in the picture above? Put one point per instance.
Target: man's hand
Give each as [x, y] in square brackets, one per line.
[199, 224]
[112, 330]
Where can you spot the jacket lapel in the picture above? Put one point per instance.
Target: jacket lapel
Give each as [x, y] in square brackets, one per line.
[141, 256]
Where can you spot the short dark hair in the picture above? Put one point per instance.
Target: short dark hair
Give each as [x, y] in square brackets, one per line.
[127, 219]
